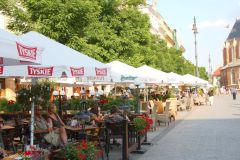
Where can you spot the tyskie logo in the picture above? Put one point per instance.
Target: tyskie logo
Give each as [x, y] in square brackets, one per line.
[101, 71]
[1, 69]
[77, 71]
[1, 60]
[27, 52]
[40, 71]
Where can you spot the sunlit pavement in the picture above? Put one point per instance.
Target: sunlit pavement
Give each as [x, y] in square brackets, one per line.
[206, 133]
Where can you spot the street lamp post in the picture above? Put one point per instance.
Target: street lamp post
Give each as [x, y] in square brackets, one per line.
[195, 32]
[137, 85]
[59, 95]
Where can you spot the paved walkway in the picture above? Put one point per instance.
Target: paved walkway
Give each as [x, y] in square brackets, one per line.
[207, 133]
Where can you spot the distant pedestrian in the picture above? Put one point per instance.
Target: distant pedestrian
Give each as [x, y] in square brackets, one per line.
[234, 93]
[210, 97]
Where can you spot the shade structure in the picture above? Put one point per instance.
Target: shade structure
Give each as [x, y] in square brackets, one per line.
[122, 73]
[192, 80]
[14, 51]
[59, 60]
[153, 75]
[174, 78]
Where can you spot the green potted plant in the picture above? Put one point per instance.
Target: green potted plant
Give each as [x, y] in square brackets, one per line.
[142, 124]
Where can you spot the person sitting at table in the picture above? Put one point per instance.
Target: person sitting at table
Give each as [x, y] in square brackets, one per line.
[114, 116]
[42, 128]
[56, 123]
[96, 116]
[126, 114]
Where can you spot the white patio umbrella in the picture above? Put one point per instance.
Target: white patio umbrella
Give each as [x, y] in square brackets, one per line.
[58, 61]
[192, 80]
[174, 78]
[14, 51]
[157, 76]
[122, 73]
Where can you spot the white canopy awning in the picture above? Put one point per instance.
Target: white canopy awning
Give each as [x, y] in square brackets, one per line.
[192, 80]
[154, 75]
[14, 51]
[122, 73]
[59, 60]
[174, 78]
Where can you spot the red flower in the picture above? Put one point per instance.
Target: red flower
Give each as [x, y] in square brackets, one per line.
[100, 153]
[103, 101]
[11, 102]
[149, 123]
[84, 144]
[78, 147]
[82, 156]
[27, 153]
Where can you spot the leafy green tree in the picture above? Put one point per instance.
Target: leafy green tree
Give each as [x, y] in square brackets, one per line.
[203, 73]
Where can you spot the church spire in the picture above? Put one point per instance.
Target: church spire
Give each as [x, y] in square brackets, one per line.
[235, 32]
[154, 4]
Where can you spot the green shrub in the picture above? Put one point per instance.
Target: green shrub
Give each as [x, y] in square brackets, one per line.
[139, 123]
[13, 108]
[74, 104]
[111, 102]
[3, 103]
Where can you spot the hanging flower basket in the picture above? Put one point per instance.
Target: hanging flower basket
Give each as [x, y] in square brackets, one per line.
[142, 124]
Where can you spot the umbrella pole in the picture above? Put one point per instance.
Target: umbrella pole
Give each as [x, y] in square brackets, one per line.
[34, 81]
[32, 124]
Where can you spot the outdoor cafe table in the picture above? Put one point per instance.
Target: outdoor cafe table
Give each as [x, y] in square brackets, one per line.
[77, 131]
[7, 127]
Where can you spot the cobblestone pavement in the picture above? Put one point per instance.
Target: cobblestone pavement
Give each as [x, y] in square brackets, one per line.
[206, 133]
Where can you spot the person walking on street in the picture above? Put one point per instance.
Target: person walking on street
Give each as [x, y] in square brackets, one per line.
[210, 97]
[234, 93]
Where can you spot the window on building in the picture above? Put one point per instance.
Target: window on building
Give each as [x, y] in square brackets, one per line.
[233, 79]
[238, 50]
[233, 54]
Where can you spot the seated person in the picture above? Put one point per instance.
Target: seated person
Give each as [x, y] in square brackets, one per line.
[95, 114]
[56, 123]
[42, 128]
[126, 114]
[114, 116]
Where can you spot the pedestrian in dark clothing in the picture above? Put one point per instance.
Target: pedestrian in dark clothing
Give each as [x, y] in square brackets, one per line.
[210, 97]
[234, 93]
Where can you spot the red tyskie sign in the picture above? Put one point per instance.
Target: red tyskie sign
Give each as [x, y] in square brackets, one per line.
[77, 71]
[27, 52]
[40, 71]
[1, 60]
[101, 71]
[1, 70]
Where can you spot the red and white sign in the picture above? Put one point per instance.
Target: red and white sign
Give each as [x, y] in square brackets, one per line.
[27, 52]
[40, 71]
[101, 71]
[1, 70]
[1, 60]
[77, 71]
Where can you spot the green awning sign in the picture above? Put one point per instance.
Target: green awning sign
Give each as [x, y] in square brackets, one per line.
[125, 78]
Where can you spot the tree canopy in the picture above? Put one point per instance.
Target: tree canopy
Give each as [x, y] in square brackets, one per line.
[106, 30]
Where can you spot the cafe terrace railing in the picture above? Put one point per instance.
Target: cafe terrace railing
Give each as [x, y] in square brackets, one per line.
[131, 139]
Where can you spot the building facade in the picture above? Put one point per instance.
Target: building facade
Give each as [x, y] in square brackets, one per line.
[216, 77]
[159, 26]
[230, 72]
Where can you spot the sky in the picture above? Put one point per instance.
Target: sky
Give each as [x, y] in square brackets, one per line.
[212, 17]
